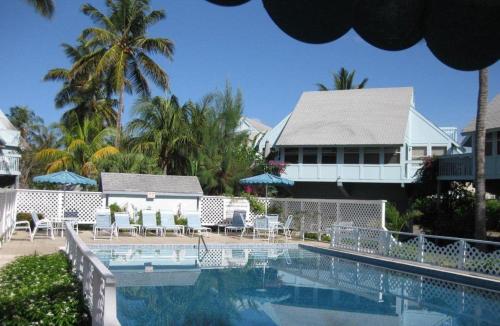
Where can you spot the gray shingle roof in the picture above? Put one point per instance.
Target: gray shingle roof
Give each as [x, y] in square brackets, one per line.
[142, 183]
[373, 116]
[492, 116]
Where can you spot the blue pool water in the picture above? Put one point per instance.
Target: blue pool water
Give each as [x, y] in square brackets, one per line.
[281, 286]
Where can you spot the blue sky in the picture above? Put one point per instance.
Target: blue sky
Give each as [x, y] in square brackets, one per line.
[241, 45]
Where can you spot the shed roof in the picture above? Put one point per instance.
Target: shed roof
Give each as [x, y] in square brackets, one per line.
[143, 183]
[492, 116]
[374, 116]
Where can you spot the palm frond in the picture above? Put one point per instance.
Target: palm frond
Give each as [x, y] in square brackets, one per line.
[153, 71]
[43, 7]
[104, 153]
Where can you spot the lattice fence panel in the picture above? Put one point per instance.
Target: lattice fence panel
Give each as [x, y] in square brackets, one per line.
[50, 203]
[85, 204]
[447, 256]
[212, 210]
[43, 202]
[480, 261]
[328, 215]
[361, 213]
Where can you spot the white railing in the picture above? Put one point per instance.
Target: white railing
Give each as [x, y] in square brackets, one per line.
[9, 164]
[464, 254]
[459, 166]
[99, 285]
[51, 204]
[8, 213]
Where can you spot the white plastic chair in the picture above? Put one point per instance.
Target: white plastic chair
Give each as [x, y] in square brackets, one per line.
[122, 222]
[22, 226]
[263, 227]
[194, 223]
[287, 232]
[149, 222]
[43, 224]
[168, 223]
[103, 223]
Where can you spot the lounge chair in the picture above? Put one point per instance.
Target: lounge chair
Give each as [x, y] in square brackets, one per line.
[122, 222]
[194, 223]
[287, 232]
[22, 225]
[238, 223]
[168, 223]
[103, 223]
[263, 227]
[41, 225]
[149, 223]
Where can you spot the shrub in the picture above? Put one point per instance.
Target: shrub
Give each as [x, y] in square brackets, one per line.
[114, 208]
[451, 214]
[275, 208]
[180, 220]
[493, 214]
[41, 290]
[256, 206]
[394, 220]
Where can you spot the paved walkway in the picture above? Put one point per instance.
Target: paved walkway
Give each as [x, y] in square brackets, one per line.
[20, 244]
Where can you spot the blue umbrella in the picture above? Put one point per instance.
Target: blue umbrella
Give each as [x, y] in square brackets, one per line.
[64, 178]
[266, 179]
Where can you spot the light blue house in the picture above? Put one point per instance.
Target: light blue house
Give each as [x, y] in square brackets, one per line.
[10, 153]
[365, 143]
[461, 167]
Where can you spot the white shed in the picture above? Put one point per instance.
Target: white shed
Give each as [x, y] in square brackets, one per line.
[147, 191]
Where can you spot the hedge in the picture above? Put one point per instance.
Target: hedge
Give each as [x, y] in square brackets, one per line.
[41, 290]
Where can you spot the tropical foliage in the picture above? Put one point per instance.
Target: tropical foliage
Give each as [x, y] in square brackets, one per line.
[342, 80]
[121, 49]
[84, 146]
[115, 56]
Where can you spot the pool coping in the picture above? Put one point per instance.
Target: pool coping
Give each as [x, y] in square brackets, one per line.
[488, 282]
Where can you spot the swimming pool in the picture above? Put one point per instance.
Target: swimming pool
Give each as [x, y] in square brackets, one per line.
[281, 285]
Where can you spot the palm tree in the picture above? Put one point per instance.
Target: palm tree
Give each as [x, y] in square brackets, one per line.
[123, 49]
[160, 130]
[343, 80]
[480, 194]
[84, 146]
[86, 94]
[43, 7]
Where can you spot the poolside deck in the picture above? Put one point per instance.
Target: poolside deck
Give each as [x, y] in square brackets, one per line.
[20, 245]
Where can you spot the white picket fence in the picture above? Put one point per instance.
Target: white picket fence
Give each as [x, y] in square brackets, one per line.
[8, 211]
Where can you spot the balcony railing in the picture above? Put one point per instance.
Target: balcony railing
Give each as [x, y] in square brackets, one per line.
[9, 164]
[385, 173]
[456, 167]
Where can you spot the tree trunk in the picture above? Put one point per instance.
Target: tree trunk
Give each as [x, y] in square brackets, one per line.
[479, 154]
[121, 109]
